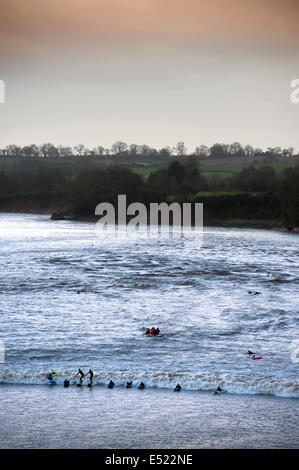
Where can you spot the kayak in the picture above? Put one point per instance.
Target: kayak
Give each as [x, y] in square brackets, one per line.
[255, 358]
[154, 336]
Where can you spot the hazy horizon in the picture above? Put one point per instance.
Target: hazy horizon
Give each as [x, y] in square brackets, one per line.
[149, 72]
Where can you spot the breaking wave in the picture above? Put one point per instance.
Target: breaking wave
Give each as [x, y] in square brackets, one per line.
[200, 382]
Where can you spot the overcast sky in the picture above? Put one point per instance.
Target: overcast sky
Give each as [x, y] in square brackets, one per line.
[149, 71]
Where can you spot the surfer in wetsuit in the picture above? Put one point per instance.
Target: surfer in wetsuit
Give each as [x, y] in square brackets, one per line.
[82, 375]
[90, 375]
[50, 375]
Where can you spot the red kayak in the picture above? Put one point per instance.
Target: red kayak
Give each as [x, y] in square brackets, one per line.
[257, 357]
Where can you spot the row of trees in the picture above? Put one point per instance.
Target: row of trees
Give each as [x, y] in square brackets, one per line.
[120, 148]
[272, 195]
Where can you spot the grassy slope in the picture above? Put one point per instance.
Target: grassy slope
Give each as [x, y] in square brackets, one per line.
[220, 170]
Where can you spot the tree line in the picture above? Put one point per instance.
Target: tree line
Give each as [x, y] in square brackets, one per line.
[121, 149]
[253, 192]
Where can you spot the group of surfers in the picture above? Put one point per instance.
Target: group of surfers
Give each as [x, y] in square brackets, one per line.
[51, 376]
[111, 384]
[150, 331]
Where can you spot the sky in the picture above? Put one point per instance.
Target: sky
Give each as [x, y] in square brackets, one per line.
[149, 72]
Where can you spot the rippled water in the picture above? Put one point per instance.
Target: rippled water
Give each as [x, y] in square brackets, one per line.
[69, 299]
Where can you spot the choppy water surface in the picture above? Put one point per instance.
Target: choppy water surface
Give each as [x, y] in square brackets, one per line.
[69, 299]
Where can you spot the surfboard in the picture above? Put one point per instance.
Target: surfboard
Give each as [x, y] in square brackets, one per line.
[49, 382]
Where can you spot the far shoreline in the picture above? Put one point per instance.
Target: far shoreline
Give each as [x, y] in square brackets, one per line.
[229, 223]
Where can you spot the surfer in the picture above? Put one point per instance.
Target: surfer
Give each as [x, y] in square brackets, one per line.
[82, 375]
[250, 352]
[177, 388]
[111, 384]
[66, 383]
[141, 386]
[129, 385]
[51, 374]
[90, 375]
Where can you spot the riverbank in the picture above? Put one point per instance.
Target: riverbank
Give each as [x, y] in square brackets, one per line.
[47, 417]
[58, 209]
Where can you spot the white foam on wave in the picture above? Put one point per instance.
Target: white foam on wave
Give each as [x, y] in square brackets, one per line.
[234, 384]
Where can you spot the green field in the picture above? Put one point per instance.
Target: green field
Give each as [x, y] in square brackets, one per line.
[230, 170]
[145, 172]
[220, 170]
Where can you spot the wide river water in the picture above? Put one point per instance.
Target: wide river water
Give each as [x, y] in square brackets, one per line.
[70, 299]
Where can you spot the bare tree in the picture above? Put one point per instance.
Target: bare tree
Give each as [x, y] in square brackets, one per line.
[134, 149]
[181, 149]
[80, 149]
[202, 151]
[119, 147]
[48, 150]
